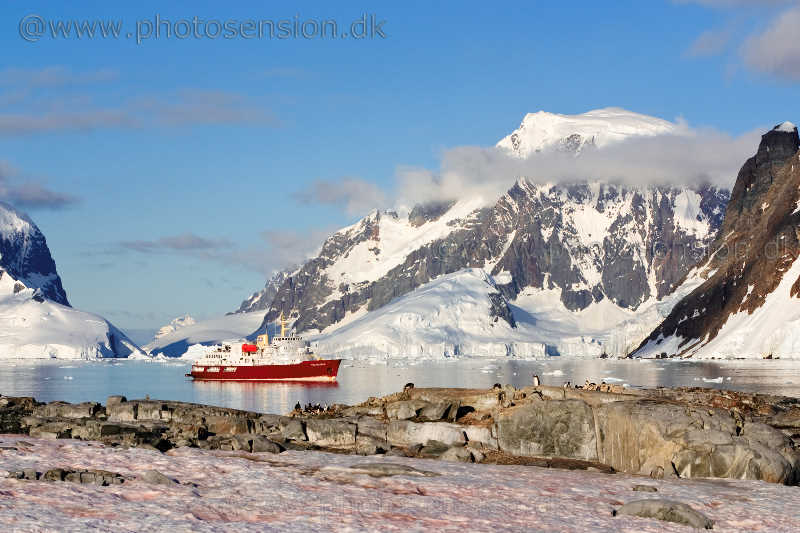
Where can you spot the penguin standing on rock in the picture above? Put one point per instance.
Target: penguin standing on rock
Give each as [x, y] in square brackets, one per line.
[536, 380]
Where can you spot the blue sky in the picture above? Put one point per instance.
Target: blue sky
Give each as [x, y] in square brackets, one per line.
[166, 174]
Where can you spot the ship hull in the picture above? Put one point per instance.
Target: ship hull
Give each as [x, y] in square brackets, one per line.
[324, 370]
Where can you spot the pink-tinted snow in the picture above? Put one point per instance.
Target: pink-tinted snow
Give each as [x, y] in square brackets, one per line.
[314, 491]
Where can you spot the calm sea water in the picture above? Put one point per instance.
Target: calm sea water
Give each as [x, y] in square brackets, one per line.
[95, 380]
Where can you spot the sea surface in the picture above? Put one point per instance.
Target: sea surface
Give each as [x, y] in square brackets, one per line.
[77, 381]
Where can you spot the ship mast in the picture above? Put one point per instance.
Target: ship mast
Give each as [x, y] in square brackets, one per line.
[283, 325]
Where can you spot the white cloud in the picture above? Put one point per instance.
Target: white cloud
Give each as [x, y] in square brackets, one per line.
[711, 42]
[692, 157]
[776, 50]
[352, 194]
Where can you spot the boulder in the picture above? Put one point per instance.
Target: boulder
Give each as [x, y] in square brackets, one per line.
[52, 430]
[435, 410]
[666, 510]
[646, 436]
[154, 477]
[403, 410]
[68, 410]
[330, 433]
[406, 433]
[481, 437]
[363, 410]
[371, 427]
[367, 445]
[433, 450]
[122, 412]
[455, 453]
[261, 444]
[54, 474]
[292, 429]
[548, 428]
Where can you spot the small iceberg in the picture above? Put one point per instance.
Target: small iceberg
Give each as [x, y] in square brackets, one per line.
[713, 380]
[556, 372]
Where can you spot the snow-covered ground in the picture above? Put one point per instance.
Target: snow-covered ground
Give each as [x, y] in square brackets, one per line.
[315, 491]
[34, 328]
[190, 339]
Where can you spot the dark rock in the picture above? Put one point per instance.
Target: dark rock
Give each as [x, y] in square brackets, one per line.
[433, 450]
[260, 444]
[666, 510]
[645, 488]
[390, 469]
[292, 429]
[404, 410]
[55, 474]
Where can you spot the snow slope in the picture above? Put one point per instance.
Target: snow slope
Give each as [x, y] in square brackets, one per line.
[32, 327]
[206, 332]
[448, 317]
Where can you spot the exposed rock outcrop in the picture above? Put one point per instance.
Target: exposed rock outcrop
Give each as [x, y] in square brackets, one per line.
[661, 433]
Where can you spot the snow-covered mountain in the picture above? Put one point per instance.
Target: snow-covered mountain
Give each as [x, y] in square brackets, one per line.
[32, 327]
[174, 325]
[599, 257]
[36, 320]
[25, 256]
[175, 343]
[746, 303]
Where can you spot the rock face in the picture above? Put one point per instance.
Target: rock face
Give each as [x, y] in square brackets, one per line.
[683, 433]
[25, 256]
[262, 299]
[637, 247]
[747, 304]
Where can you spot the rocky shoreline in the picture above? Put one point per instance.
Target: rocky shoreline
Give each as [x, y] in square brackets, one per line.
[661, 433]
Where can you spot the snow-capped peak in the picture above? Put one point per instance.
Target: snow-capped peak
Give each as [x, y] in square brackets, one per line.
[786, 127]
[175, 324]
[571, 132]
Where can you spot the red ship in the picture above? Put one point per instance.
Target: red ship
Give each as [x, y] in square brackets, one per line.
[286, 358]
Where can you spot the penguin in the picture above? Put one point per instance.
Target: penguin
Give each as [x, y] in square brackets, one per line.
[497, 386]
[298, 407]
[408, 386]
[535, 380]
